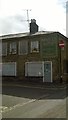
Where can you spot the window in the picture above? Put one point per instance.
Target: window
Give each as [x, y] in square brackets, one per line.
[0, 48]
[23, 47]
[34, 46]
[9, 69]
[4, 49]
[13, 48]
[65, 66]
[0, 69]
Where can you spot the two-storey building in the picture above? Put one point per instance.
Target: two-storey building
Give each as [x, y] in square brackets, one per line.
[37, 55]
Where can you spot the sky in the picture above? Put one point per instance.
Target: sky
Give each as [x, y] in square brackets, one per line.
[67, 19]
[50, 15]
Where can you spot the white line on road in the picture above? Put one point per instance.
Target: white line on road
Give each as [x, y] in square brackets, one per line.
[7, 109]
[15, 106]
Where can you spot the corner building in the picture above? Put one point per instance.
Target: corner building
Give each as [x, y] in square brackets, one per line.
[35, 56]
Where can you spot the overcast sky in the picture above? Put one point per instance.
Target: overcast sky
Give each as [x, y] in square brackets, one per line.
[50, 15]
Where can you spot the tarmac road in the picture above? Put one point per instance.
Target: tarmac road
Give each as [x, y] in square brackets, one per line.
[21, 101]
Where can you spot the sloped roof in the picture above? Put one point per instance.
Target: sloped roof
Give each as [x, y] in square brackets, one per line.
[19, 35]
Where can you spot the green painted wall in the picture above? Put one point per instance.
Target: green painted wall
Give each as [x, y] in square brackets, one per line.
[49, 46]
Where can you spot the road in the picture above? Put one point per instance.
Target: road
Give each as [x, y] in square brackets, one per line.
[19, 101]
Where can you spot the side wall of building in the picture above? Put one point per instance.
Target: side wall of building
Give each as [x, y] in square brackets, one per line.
[63, 57]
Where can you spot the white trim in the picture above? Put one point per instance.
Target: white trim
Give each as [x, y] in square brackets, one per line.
[61, 44]
[1, 48]
[0, 69]
[43, 71]
[51, 70]
[15, 69]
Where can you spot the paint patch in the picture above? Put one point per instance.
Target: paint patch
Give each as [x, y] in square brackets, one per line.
[3, 108]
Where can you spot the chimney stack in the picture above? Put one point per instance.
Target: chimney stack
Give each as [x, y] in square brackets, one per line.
[33, 26]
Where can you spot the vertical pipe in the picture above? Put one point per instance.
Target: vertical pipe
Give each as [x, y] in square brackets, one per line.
[60, 66]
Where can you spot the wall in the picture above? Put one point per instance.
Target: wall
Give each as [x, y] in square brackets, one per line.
[48, 51]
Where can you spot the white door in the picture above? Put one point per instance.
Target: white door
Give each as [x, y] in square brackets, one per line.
[47, 71]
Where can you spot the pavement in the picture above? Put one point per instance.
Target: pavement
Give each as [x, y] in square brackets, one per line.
[30, 102]
[24, 99]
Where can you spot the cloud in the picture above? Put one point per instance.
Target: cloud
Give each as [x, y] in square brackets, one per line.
[49, 14]
[13, 24]
[62, 3]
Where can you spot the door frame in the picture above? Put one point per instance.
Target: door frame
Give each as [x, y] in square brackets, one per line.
[44, 72]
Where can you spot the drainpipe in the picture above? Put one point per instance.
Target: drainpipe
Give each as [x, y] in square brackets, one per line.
[60, 65]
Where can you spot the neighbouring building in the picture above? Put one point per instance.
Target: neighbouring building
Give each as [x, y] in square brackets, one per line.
[42, 55]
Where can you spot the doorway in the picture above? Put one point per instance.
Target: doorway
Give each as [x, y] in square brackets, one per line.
[47, 71]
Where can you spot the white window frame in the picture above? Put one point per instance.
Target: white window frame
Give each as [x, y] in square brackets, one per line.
[1, 48]
[20, 42]
[14, 68]
[5, 49]
[11, 47]
[0, 69]
[37, 46]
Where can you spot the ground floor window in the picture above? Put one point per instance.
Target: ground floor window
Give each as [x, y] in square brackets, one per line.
[9, 69]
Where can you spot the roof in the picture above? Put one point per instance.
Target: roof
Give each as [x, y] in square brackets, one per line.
[19, 35]
[23, 34]
[13, 35]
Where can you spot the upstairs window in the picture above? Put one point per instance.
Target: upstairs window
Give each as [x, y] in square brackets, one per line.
[23, 47]
[4, 49]
[34, 46]
[13, 48]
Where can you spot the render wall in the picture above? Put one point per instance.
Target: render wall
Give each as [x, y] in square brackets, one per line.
[48, 51]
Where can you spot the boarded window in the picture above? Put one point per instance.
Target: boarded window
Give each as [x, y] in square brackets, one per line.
[0, 69]
[34, 46]
[9, 69]
[4, 49]
[65, 66]
[13, 48]
[0, 48]
[23, 47]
